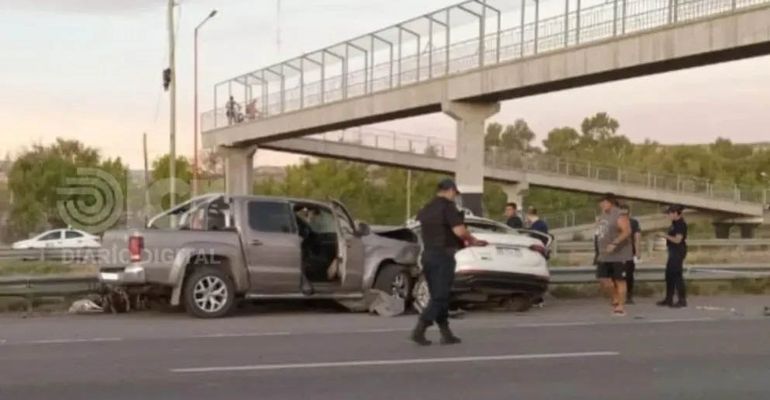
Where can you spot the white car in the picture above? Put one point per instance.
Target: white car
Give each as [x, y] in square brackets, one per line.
[512, 270]
[59, 239]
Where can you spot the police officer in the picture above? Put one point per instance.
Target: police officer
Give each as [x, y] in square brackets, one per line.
[443, 233]
[636, 246]
[676, 243]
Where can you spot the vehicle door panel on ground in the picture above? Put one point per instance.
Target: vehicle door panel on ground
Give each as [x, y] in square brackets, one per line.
[272, 246]
[351, 250]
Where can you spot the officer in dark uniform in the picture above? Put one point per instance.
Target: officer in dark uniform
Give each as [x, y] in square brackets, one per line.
[676, 243]
[443, 233]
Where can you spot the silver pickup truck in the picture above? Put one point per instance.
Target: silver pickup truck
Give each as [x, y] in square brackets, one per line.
[221, 249]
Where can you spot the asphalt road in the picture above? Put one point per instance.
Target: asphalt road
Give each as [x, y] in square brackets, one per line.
[717, 349]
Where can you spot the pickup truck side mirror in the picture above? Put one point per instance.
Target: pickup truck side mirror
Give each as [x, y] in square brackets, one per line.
[363, 229]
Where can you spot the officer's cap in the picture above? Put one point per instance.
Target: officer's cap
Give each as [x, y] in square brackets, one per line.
[448, 184]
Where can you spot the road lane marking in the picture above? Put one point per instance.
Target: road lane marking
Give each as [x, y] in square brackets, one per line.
[461, 325]
[65, 341]
[378, 363]
[672, 320]
[237, 335]
[554, 324]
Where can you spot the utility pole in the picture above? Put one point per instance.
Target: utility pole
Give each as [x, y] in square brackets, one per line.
[195, 111]
[146, 207]
[172, 111]
[408, 194]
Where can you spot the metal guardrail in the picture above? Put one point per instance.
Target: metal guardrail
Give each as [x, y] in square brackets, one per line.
[652, 245]
[78, 255]
[463, 37]
[62, 254]
[30, 288]
[656, 273]
[547, 164]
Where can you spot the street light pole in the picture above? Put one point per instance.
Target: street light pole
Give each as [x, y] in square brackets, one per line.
[195, 112]
[172, 97]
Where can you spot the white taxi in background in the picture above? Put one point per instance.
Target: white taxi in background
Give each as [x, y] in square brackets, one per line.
[59, 239]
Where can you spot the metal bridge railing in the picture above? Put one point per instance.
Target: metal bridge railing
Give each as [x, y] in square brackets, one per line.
[466, 36]
[540, 163]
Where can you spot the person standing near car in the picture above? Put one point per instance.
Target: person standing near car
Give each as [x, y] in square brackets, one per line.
[676, 244]
[443, 233]
[613, 235]
[512, 218]
[636, 245]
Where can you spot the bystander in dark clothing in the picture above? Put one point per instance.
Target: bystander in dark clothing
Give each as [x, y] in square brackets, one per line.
[636, 232]
[512, 217]
[676, 244]
[537, 224]
[232, 109]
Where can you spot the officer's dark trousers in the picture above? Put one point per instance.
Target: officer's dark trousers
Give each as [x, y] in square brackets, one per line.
[630, 270]
[439, 268]
[675, 277]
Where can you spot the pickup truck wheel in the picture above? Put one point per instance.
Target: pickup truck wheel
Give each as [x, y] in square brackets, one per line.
[209, 293]
[395, 280]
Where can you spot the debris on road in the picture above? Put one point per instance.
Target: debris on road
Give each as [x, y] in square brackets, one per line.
[386, 305]
[85, 306]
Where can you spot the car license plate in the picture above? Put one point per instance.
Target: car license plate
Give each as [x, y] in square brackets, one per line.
[508, 252]
[109, 276]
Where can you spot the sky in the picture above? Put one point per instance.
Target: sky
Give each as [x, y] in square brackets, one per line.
[91, 70]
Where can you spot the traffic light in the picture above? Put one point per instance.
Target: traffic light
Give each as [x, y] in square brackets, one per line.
[166, 78]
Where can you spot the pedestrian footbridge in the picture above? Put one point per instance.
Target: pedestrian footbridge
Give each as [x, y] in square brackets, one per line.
[416, 152]
[464, 59]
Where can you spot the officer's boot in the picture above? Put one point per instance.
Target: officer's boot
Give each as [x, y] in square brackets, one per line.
[418, 334]
[447, 337]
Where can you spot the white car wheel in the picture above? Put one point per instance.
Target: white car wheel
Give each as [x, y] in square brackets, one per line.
[421, 295]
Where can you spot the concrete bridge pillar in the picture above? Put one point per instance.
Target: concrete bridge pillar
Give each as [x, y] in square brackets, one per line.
[469, 164]
[748, 231]
[515, 193]
[239, 169]
[722, 230]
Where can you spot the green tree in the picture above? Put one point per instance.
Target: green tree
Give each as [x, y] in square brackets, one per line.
[36, 175]
[492, 136]
[562, 142]
[517, 137]
[160, 174]
[599, 127]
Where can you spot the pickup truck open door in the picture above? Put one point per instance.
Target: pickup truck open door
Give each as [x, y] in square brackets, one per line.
[350, 249]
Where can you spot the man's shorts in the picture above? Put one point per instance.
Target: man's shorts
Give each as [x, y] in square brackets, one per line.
[611, 270]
